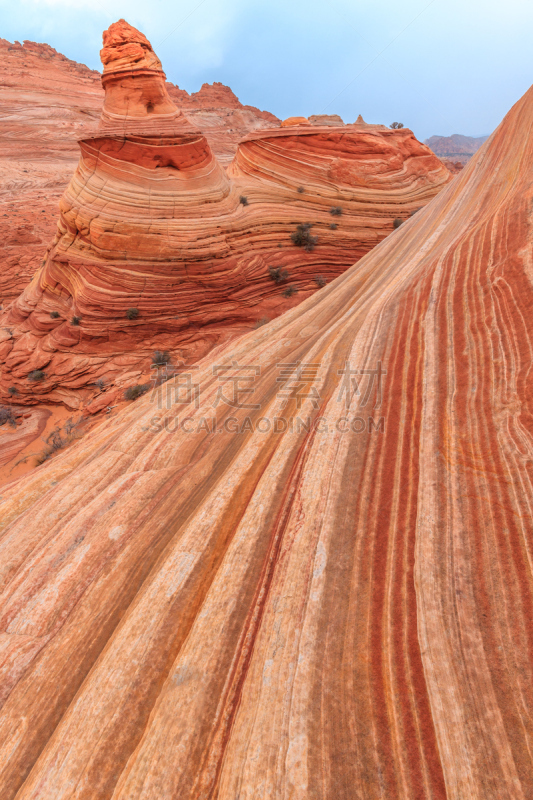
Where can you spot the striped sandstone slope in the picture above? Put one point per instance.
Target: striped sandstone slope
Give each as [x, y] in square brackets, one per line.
[332, 613]
[152, 222]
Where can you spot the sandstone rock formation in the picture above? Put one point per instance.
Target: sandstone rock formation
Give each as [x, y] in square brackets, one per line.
[48, 103]
[225, 602]
[152, 224]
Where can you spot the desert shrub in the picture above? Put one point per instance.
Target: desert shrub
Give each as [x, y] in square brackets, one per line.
[243, 200]
[54, 314]
[100, 383]
[133, 392]
[260, 322]
[12, 390]
[132, 313]
[37, 375]
[397, 222]
[7, 417]
[54, 442]
[278, 274]
[75, 320]
[300, 190]
[335, 211]
[301, 237]
[397, 125]
[333, 226]
[289, 291]
[320, 281]
[160, 358]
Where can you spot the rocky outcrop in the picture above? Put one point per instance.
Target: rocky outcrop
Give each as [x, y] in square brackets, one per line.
[157, 247]
[322, 590]
[453, 166]
[326, 119]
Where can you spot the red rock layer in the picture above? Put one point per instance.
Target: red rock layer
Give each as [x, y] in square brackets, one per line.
[151, 222]
[334, 609]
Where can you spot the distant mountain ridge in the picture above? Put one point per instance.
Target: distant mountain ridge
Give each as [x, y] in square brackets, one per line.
[456, 145]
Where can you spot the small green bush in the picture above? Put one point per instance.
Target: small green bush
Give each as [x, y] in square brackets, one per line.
[289, 291]
[301, 237]
[397, 125]
[7, 417]
[54, 314]
[320, 281]
[300, 190]
[132, 313]
[397, 222]
[100, 383]
[243, 200]
[37, 375]
[75, 320]
[333, 226]
[335, 211]
[12, 390]
[278, 274]
[133, 392]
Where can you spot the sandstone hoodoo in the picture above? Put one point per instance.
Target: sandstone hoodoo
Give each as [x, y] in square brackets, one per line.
[323, 591]
[47, 103]
[151, 221]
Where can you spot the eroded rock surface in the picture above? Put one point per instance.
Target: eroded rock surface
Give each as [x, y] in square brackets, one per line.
[158, 247]
[226, 602]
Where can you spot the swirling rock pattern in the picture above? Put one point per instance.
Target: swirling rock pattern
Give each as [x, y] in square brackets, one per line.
[47, 103]
[335, 608]
[152, 222]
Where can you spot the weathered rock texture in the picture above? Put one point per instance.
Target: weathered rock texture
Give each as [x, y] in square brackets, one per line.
[152, 222]
[302, 613]
[48, 103]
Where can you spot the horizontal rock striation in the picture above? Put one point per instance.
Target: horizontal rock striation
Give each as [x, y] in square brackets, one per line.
[324, 590]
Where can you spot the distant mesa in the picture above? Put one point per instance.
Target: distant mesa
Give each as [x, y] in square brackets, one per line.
[326, 119]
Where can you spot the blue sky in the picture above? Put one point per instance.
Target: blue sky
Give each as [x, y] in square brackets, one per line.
[440, 66]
